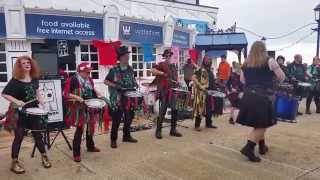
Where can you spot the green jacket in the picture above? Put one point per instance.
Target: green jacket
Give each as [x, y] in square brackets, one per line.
[315, 72]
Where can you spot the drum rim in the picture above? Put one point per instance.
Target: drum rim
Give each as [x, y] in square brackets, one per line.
[95, 99]
[45, 112]
[134, 94]
[180, 90]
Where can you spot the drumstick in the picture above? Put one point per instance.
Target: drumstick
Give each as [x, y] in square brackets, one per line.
[28, 102]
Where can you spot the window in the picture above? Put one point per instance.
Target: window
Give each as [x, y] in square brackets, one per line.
[3, 64]
[89, 54]
[141, 68]
[182, 61]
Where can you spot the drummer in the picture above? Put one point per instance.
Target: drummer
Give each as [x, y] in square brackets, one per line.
[23, 87]
[297, 73]
[207, 64]
[166, 79]
[234, 87]
[199, 90]
[77, 89]
[314, 71]
[119, 78]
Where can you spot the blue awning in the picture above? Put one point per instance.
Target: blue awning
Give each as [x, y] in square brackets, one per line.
[216, 53]
[221, 41]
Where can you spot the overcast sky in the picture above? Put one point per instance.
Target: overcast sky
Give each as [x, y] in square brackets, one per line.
[271, 18]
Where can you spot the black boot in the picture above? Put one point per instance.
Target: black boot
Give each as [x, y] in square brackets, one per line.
[197, 123]
[231, 121]
[174, 118]
[158, 129]
[113, 144]
[318, 108]
[129, 139]
[248, 151]
[263, 148]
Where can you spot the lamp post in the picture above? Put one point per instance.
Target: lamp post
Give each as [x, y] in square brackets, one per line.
[317, 18]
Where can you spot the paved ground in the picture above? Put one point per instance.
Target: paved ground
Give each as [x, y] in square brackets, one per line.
[207, 155]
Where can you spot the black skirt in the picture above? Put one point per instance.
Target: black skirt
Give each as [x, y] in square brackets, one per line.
[257, 110]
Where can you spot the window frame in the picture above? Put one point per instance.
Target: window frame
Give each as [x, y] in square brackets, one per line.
[144, 68]
[5, 52]
[89, 53]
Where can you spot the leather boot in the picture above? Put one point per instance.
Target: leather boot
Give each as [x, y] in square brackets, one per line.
[263, 148]
[248, 151]
[174, 118]
[318, 108]
[45, 161]
[158, 129]
[197, 123]
[113, 144]
[16, 167]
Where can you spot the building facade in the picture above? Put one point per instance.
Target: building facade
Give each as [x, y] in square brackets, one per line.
[59, 34]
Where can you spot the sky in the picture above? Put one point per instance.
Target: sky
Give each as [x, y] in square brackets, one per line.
[271, 18]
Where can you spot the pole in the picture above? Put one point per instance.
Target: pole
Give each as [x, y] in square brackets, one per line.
[318, 38]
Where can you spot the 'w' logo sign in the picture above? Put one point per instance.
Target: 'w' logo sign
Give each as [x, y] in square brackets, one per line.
[126, 30]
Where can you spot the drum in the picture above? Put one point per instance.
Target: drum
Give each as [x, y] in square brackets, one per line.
[135, 101]
[303, 89]
[96, 104]
[286, 107]
[285, 87]
[36, 118]
[181, 98]
[216, 101]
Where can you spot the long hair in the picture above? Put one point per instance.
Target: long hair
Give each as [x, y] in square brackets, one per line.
[258, 55]
[18, 71]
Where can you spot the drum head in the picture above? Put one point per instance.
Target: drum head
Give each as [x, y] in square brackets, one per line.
[133, 94]
[216, 94]
[304, 84]
[36, 111]
[95, 103]
[179, 90]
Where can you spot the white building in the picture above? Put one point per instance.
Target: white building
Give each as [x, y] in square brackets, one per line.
[31, 27]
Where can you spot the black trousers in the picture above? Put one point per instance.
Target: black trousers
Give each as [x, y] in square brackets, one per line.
[117, 116]
[188, 84]
[209, 112]
[18, 138]
[78, 138]
[313, 95]
[163, 106]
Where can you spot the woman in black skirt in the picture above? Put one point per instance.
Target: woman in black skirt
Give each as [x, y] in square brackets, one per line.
[23, 91]
[257, 110]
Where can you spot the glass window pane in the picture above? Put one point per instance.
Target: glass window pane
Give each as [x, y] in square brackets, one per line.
[84, 57]
[153, 65]
[140, 65]
[154, 51]
[94, 66]
[140, 73]
[2, 47]
[72, 66]
[149, 73]
[94, 57]
[134, 49]
[148, 65]
[140, 58]
[3, 68]
[134, 57]
[3, 78]
[140, 50]
[84, 48]
[134, 65]
[93, 49]
[135, 74]
[95, 75]
[2, 57]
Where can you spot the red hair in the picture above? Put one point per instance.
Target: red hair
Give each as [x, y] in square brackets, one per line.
[18, 71]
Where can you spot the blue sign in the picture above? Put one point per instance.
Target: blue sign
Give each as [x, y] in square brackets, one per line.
[2, 25]
[181, 39]
[140, 33]
[200, 26]
[63, 27]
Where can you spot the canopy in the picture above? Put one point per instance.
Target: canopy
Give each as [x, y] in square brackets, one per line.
[222, 41]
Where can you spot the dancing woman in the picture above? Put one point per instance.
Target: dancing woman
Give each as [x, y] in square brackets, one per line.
[257, 105]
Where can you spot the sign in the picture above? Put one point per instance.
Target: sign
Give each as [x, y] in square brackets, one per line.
[63, 27]
[2, 25]
[51, 92]
[140, 33]
[200, 26]
[181, 39]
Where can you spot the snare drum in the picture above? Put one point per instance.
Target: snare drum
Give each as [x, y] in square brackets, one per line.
[303, 89]
[181, 98]
[216, 101]
[135, 101]
[36, 118]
